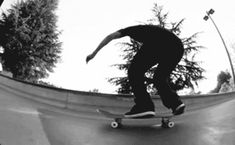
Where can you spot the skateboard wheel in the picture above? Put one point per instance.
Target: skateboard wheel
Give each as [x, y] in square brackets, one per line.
[167, 124]
[170, 124]
[114, 124]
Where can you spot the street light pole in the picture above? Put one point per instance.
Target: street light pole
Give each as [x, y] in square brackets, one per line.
[208, 15]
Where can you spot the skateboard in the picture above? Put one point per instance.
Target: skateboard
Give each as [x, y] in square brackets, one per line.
[118, 118]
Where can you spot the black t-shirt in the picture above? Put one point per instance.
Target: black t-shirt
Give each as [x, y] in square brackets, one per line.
[148, 33]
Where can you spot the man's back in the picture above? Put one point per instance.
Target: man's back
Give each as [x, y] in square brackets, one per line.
[147, 33]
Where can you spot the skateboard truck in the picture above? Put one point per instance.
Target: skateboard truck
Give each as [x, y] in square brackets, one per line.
[166, 123]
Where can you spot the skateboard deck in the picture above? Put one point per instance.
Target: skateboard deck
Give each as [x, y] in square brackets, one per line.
[118, 118]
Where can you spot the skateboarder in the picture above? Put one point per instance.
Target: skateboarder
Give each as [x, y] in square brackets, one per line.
[1, 1]
[159, 46]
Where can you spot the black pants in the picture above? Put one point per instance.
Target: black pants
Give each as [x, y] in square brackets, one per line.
[148, 56]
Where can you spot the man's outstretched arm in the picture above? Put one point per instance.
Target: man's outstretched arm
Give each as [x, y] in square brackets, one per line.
[1, 1]
[104, 42]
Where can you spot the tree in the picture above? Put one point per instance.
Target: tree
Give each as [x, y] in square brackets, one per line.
[94, 90]
[187, 72]
[223, 80]
[29, 37]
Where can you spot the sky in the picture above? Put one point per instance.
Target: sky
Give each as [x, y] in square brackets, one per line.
[85, 23]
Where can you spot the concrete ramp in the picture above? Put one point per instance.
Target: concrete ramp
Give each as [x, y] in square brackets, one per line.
[35, 115]
[89, 102]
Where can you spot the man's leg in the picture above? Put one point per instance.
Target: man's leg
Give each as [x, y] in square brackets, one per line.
[139, 65]
[169, 97]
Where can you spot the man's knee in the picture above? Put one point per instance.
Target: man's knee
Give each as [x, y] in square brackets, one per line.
[159, 82]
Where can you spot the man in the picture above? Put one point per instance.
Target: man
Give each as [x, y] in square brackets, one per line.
[161, 47]
[1, 1]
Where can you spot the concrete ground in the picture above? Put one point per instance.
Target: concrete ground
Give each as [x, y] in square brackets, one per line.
[28, 122]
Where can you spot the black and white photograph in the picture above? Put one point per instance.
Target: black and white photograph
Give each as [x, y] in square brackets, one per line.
[117, 72]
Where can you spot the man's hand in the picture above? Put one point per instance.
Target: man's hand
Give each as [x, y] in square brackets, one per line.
[90, 57]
